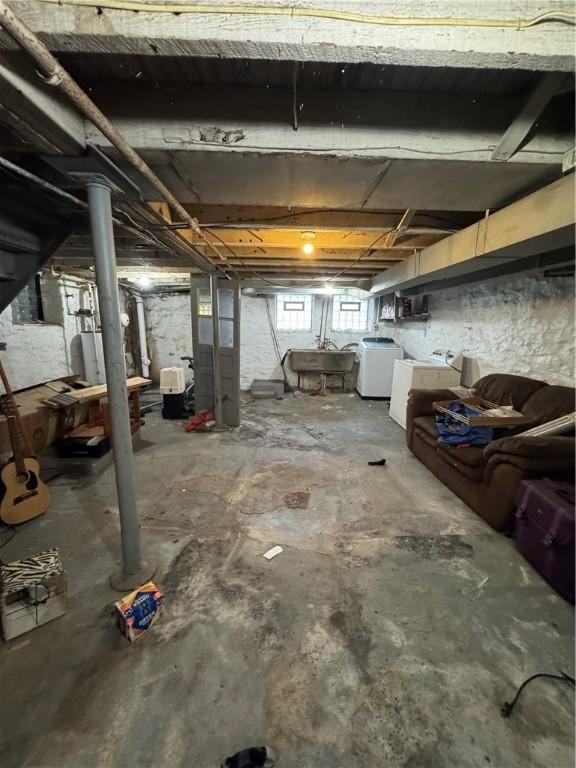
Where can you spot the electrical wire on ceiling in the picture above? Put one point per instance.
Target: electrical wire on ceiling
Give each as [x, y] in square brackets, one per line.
[297, 214]
[318, 13]
[149, 228]
[144, 226]
[430, 153]
[251, 225]
[141, 228]
[314, 284]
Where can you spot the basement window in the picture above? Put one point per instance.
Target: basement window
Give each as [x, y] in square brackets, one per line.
[205, 307]
[349, 314]
[293, 312]
[27, 307]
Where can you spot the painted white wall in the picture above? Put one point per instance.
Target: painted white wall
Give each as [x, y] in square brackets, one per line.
[38, 352]
[257, 357]
[521, 324]
[169, 331]
[170, 335]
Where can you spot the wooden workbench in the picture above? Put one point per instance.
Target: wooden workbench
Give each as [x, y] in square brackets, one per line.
[100, 391]
[99, 424]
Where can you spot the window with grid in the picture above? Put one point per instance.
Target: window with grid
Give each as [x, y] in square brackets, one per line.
[27, 306]
[349, 314]
[293, 312]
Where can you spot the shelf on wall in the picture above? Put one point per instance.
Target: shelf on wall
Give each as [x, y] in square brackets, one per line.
[393, 304]
[414, 318]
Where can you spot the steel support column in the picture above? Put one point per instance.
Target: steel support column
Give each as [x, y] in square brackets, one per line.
[132, 572]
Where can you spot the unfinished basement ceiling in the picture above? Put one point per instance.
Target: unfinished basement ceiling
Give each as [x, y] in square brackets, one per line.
[323, 135]
[264, 152]
[89, 68]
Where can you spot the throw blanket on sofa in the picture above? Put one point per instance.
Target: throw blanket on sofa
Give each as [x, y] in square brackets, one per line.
[452, 431]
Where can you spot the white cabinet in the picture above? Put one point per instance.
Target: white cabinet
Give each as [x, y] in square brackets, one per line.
[376, 357]
[417, 374]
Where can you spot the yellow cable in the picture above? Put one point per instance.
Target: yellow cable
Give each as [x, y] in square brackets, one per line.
[317, 13]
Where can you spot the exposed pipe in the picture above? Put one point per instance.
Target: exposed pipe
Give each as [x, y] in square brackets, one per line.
[55, 74]
[92, 302]
[295, 66]
[144, 359]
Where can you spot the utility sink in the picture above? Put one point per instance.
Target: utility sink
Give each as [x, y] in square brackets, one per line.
[321, 360]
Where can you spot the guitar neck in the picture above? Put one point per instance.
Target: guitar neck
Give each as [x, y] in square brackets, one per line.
[18, 439]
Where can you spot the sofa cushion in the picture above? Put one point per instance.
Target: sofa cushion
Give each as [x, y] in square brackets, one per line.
[550, 403]
[427, 424]
[469, 462]
[472, 455]
[505, 389]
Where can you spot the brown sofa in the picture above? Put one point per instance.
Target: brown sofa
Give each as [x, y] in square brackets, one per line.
[487, 478]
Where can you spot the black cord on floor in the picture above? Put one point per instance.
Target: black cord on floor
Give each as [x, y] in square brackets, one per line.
[506, 710]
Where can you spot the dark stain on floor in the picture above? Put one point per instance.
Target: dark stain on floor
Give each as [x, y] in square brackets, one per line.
[435, 547]
[356, 634]
[297, 500]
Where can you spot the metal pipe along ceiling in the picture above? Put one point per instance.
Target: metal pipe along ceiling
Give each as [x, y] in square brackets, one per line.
[55, 74]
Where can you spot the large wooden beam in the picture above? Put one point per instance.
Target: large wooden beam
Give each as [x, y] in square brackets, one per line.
[537, 224]
[341, 122]
[283, 33]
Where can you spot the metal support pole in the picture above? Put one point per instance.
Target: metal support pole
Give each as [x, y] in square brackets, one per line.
[131, 574]
[216, 352]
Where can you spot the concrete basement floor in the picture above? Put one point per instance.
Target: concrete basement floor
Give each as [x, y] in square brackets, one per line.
[389, 632]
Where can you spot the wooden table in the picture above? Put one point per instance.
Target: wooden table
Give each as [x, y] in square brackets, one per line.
[99, 424]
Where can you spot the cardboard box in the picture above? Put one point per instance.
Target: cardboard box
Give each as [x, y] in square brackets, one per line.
[139, 610]
[33, 591]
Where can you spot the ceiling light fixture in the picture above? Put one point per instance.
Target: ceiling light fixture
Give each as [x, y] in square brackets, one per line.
[144, 281]
[308, 236]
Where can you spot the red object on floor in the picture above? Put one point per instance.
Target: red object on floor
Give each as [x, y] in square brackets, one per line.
[197, 421]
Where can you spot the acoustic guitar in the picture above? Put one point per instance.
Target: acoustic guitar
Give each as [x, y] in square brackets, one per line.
[24, 495]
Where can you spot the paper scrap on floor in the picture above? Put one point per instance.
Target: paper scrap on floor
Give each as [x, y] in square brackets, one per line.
[272, 552]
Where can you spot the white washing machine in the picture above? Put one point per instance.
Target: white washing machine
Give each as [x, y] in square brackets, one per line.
[418, 374]
[376, 357]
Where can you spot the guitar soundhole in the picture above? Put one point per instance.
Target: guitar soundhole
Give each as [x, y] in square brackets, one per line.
[30, 480]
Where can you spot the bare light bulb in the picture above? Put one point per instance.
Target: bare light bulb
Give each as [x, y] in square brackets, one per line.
[144, 281]
[308, 248]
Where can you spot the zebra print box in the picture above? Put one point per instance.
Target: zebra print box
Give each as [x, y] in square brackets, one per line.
[32, 592]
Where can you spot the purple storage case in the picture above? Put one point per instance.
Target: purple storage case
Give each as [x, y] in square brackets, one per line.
[544, 531]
